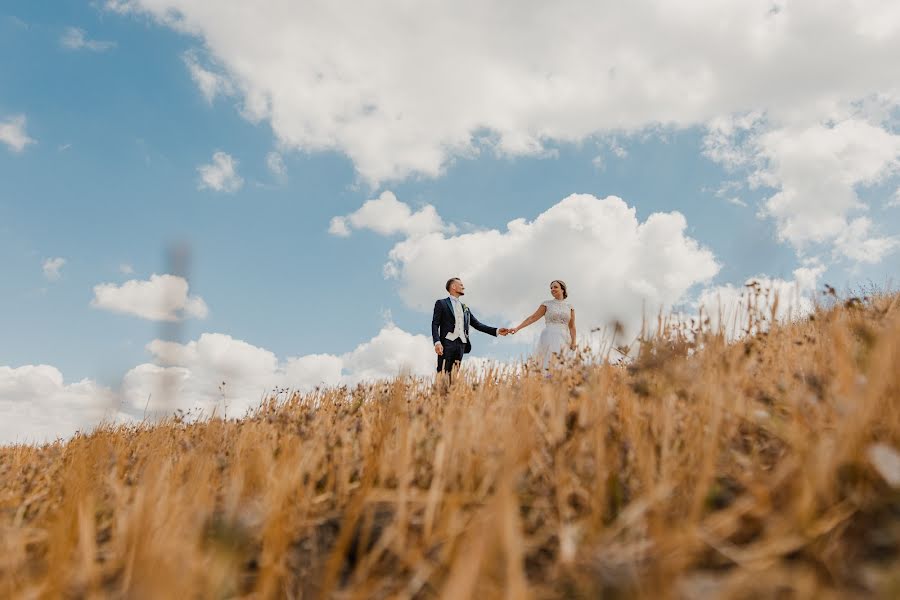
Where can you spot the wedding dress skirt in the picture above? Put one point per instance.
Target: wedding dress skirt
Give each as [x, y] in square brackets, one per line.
[555, 337]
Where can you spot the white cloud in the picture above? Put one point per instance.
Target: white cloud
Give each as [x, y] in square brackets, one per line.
[12, 133]
[275, 163]
[816, 170]
[220, 175]
[392, 352]
[339, 227]
[857, 243]
[404, 91]
[211, 84]
[75, 39]
[190, 376]
[161, 298]
[388, 216]
[51, 268]
[126, 269]
[36, 405]
[616, 267]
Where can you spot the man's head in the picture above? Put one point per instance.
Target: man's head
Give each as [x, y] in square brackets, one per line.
[455, 286]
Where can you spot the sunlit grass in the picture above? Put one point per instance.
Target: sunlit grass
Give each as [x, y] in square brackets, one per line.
[766, 467]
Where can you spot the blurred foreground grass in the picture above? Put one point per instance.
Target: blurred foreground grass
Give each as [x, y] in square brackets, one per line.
[766, 467]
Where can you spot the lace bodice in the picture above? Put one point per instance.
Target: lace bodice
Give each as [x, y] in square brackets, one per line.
[558, 312]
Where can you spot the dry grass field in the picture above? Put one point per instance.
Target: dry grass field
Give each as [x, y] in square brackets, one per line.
[762, 468]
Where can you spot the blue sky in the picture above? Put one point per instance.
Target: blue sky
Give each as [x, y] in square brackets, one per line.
[119, 131]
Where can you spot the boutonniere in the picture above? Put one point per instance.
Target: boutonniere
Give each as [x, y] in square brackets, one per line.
[465, 308]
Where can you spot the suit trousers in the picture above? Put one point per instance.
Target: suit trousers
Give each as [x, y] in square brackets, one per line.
[452, 356]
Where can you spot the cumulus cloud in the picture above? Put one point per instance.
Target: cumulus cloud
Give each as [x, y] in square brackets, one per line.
[191, 376]
[75, 39]
[220, 175]
[214, 373]
[36, 405]
[12, 133]
[857, 242]
[386, 215]
[51, 268]
[616, 266]
[405, 91]
[161, 298]
[815, 170]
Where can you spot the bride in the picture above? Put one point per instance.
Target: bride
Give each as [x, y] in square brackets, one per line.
[559, 323]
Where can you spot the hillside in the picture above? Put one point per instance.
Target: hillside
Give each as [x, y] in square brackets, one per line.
[767, 467]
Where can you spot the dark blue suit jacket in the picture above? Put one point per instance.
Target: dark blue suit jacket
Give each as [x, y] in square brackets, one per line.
[444, 322]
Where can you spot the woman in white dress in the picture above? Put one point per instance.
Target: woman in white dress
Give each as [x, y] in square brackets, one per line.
[559, 323]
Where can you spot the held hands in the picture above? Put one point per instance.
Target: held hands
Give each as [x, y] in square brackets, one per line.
[503, 331]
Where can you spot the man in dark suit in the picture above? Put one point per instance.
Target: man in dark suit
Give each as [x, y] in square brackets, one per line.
[450, 327]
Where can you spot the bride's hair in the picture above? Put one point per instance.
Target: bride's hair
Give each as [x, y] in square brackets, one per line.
[562, 284]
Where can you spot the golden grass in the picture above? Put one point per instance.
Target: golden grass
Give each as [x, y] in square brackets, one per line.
[760, 468]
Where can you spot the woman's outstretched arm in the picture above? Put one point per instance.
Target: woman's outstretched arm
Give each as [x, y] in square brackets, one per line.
[534, 317]
[572, 328]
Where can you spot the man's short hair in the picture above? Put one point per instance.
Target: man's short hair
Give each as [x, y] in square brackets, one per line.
[449, 281]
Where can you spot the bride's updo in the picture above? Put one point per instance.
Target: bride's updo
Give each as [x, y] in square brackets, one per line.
[562, 285]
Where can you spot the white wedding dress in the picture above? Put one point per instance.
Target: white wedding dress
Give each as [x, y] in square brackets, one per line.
[555, 337]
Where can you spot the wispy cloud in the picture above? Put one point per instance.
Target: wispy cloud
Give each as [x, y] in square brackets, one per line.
[275, 162]
[75, 39]
[730, 192]
[52, 267]
[15, 21]
[211, 84]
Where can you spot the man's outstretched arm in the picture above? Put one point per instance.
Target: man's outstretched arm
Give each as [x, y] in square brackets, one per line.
[484, 328]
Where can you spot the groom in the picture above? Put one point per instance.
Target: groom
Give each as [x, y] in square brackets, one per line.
[450, 327]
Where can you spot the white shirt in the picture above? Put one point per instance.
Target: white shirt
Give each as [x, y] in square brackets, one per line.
[459, 330]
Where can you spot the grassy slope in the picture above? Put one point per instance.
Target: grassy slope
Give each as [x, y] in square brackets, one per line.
[747, 469]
